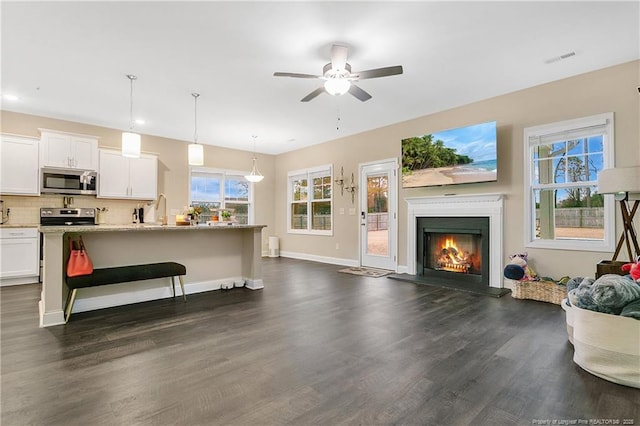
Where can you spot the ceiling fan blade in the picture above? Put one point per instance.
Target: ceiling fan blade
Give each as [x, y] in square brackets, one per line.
[312, 94]
[338, 57]
[359, 93]
[379, 72]
[293, 74]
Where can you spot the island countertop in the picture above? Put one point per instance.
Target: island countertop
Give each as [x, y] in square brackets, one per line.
[212, 254]
[142, 227]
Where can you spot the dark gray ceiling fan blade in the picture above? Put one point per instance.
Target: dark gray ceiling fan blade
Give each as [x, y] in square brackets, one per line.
[293, 74]
[379, 72]
[312, 94]
[359, 93]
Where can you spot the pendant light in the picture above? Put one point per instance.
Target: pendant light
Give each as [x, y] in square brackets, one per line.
[130, 140]
[255, 175]
[196, 152]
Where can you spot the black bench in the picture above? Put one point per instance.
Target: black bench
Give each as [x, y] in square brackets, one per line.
[125, 274]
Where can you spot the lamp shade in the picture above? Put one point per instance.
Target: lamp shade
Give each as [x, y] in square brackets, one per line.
[130, 145]
[196, 154]
[337, 86]
[619, 179]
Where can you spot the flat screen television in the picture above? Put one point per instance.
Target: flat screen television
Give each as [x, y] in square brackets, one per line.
[450, 157]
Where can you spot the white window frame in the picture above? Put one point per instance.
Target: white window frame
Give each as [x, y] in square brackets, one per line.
[533, 137]
[224, 173]
[307, 173]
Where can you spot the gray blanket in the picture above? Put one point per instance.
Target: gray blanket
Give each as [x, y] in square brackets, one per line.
[582, 297]
[632, 310]
[614, 291]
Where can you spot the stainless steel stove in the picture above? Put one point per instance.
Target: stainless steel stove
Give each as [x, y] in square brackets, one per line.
[53, 216]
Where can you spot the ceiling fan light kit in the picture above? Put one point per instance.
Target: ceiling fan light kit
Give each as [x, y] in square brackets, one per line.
[337, 86]
[131, 140]
[338, 76]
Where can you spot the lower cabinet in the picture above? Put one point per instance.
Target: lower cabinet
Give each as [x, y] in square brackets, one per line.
[19, 256]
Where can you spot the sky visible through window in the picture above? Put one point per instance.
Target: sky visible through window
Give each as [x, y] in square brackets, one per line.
[209, 188]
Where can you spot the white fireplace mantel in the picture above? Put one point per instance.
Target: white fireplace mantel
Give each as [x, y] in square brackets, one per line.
[476, 205]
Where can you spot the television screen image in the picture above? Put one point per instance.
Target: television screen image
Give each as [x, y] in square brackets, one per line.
[450, 157]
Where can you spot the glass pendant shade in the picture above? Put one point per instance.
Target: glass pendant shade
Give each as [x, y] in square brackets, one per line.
[196, 154]
[130, 145]
[337, 86]
[255, 175]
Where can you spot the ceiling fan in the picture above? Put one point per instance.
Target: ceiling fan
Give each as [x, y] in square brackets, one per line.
[338, 78]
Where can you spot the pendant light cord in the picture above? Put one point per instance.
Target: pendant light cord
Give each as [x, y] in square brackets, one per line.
[131, 78]
[254, 149]
[195, 115]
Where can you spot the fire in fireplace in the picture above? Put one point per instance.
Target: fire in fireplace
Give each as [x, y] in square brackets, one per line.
[454, 249]
[460, 253]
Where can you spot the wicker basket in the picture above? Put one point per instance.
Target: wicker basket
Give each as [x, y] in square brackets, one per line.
[544, 291]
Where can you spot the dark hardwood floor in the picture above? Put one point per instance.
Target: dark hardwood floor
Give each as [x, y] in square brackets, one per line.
[314, 347]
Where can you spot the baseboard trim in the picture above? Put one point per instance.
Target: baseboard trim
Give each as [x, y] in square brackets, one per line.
[403, 269]
[50, 318]
[321, 259]
[129, 296]
[6, 282]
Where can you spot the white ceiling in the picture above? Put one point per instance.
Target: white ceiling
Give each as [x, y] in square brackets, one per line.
[69, 60]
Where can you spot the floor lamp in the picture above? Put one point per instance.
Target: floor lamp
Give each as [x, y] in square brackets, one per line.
[623, 181]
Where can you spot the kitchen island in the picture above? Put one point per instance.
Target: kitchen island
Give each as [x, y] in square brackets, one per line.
[215, 256]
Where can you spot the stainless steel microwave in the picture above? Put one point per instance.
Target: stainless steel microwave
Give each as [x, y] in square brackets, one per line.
[68, 181]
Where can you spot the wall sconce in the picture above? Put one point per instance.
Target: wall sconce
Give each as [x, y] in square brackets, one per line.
[352, 188]
[341, 181]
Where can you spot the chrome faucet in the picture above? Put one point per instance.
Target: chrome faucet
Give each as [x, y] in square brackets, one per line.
[163, 219]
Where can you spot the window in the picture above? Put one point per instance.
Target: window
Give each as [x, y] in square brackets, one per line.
[562, 207]
[214, 190]
[310, 200]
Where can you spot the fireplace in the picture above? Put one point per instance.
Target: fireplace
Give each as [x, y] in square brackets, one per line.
[453, 249]
[458, 210]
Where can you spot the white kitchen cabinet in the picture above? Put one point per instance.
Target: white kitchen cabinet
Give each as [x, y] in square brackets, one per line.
[19, 172]
[19, 256]
[128, 178]
[68, 150]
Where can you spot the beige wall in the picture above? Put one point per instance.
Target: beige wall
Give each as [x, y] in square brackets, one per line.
[173, 171]
[612, 89]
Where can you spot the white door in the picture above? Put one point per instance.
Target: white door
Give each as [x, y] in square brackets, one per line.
[378, 214]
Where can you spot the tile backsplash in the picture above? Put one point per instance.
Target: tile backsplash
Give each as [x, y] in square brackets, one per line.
[26, 210]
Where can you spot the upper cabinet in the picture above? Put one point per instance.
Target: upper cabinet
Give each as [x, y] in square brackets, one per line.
[19, 173]
[68, 150]
[127, 178]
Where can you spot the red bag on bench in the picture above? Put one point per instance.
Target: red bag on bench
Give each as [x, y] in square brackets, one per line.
[79, 261]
